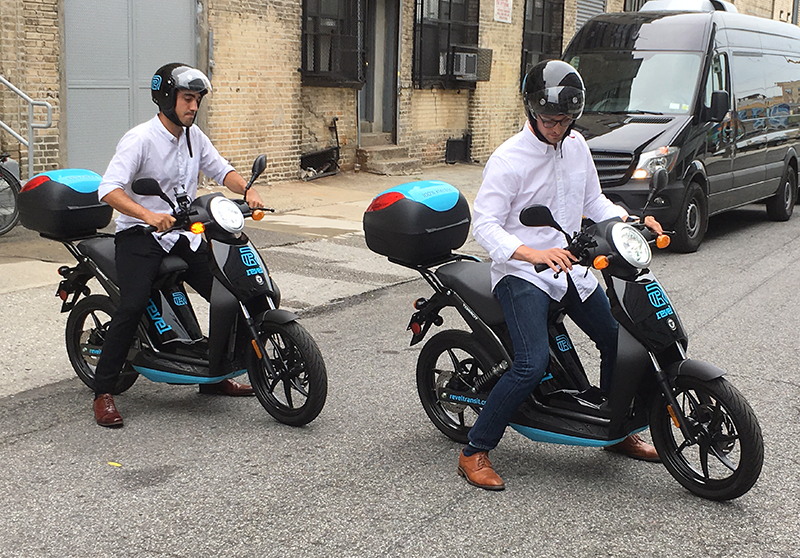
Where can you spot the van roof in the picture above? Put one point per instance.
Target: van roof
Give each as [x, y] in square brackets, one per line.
[686, 30]
[688, 6]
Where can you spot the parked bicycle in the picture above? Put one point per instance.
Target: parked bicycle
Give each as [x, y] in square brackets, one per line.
[9, 190]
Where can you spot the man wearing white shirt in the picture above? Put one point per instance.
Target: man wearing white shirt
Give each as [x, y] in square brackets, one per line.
[165, 149]
[546, 163]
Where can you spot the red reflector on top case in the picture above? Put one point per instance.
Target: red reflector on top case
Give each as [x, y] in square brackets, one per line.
[385, 200]
[34, 182]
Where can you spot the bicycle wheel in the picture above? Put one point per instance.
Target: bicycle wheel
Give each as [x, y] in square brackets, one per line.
[9, 192]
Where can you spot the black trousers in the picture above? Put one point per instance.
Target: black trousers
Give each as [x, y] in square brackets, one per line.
[138, 257]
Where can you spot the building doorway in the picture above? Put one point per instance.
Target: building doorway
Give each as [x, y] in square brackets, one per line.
[112, 50]
[378, 97]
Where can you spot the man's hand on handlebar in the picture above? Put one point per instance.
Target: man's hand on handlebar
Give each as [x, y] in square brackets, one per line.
[161, 221]
[557, 259]
[651, 223]
[253, 199]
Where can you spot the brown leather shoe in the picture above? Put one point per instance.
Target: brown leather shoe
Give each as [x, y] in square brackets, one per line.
[227, 387]
[105, 412]
[633, 446]
[477, 469]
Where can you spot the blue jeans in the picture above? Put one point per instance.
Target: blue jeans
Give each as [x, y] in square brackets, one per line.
[525, 308]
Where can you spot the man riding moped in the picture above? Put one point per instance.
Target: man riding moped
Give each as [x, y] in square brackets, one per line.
[170, 150]
[547, 163]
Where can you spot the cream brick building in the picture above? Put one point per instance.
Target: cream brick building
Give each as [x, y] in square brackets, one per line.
[282, 70]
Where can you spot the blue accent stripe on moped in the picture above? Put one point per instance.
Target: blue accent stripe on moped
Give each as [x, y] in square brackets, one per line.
[538, 435]
[171, 378]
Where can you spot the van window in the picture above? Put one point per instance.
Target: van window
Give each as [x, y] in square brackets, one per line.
[717, 77]
[782, 95]
[639, 81]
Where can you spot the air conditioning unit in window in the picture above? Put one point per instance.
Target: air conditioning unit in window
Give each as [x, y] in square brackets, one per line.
[465, 65]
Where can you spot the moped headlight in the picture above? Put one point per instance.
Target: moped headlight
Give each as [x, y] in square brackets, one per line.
[227, 214]
[631, 245]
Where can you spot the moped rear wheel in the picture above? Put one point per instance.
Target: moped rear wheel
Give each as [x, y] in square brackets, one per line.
[723, 459]
[86, 331]
[454, 359]
[296, 388]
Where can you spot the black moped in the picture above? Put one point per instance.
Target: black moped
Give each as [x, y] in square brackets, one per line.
[704, 430]
[247, 331]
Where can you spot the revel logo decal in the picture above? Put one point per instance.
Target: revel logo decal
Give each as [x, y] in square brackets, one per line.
[659, 300]
[179, 299]
[156, 84]
[563, 344]
[155, 315]
[250, 259]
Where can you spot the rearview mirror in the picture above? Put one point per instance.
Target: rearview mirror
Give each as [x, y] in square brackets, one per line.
[538, 216]
[659, 181]
[259, 165]
[720, 104]
[150, 187]
[146, 187]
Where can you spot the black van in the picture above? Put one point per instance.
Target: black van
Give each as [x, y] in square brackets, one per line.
[711, 95]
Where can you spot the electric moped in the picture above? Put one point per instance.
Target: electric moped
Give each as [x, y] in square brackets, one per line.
[247, 331]
[703, 428]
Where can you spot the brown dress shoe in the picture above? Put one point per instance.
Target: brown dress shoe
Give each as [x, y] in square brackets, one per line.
[634, 446]
[227, 387]
[477, 469]
[105, 412]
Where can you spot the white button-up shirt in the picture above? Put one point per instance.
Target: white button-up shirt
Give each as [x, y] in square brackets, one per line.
[150, 151]
[525, 171]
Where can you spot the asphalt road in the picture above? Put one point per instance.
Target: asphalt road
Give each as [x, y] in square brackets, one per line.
[214, 476]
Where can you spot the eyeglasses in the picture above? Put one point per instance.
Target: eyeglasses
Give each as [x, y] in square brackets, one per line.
[563, 122]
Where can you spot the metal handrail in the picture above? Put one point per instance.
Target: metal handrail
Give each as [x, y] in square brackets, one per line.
[31, 124]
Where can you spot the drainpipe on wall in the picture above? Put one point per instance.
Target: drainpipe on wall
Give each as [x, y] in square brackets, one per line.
[795, 7]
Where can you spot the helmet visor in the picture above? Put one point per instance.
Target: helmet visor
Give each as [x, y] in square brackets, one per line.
[562, 99]
[191, 79]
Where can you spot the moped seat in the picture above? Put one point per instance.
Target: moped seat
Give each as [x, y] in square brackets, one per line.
[473, 282]
[101, 251]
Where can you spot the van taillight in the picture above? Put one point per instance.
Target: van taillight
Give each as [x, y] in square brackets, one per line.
[34, 182]
[384, 200]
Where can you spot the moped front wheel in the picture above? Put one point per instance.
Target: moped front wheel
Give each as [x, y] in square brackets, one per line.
[723, 458]
[85, 333]
[451, 359]
[294, 390]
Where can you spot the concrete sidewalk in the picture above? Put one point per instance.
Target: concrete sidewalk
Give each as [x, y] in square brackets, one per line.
[335, 204]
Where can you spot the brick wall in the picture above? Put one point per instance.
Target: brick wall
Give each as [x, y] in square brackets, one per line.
[259, 104]
[256, 106]
[29, 59]
[320, 105]
[496, 105]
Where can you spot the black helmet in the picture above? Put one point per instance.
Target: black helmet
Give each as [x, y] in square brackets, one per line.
[170, 79]
[553, 87]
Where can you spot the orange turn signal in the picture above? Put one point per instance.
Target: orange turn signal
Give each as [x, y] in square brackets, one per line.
[662, 241]
[257, 215]
[255, 348]
[600, 262]
[197, 228]
[674, 418]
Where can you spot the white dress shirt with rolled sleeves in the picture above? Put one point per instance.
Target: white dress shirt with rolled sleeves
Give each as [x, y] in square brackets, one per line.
[150, 151]
[525, 171]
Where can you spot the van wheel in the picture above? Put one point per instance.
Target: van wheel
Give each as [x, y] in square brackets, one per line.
[781, 205]
[692, 221]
